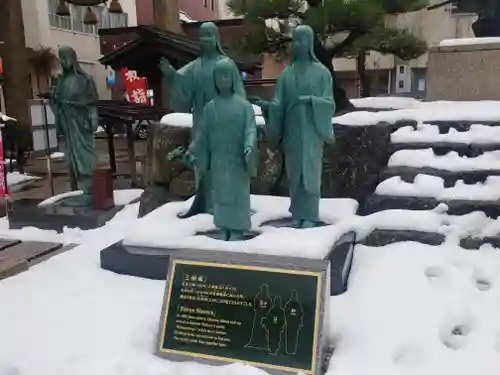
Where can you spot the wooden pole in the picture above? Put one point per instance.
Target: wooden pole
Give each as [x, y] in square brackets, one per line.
[16, 86]
[166, 15]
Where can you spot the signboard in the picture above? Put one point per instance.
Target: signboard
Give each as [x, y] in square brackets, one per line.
[262, 316]
[136, 87]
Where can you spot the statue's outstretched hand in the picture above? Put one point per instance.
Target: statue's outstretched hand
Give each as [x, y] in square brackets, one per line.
[166, 67]
[176, 153]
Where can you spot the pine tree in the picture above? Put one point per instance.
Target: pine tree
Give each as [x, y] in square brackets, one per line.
[341, 26]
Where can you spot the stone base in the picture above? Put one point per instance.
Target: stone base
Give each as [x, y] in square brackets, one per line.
[27, 213]
[152, 263]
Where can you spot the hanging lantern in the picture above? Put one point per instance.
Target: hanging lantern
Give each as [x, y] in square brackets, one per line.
[90, 18]
[115, 7]
[62, 9]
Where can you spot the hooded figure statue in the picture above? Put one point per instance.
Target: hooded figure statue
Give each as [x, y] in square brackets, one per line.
[225, 147]
[300, 117]
[74, 103]
[191, 88]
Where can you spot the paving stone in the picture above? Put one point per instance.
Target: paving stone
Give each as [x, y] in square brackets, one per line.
[31, 250]
[11, 265]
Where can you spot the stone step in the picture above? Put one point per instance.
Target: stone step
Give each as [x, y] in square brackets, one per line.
[474, 243]
[382, 237]
[408, 174]
[379, 202]
[444, 126]
[442, 148]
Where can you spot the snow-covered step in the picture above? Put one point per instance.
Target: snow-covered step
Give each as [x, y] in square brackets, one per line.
[442, 148]
[451, 166]
[449, 162]
[445, 126]
[450, 178]
[383, 237]
[427, 133]
[377, 202]
[427, 192]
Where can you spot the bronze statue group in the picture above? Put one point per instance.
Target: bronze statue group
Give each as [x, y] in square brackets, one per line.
[223, 146]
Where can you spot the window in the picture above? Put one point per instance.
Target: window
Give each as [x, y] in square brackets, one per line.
[205, 3]
[74, 22]
[213, 4]
[401, 84]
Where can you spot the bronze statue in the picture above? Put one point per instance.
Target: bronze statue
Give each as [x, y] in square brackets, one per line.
[74, 103]
[300, 117]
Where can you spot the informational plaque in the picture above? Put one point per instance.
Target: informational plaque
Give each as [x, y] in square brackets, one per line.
[266, 317]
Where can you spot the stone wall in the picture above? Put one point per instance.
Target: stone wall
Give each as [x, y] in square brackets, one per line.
[350, 167]
[465, 72]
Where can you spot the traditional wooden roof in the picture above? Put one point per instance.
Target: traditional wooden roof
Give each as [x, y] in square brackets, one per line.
[153, 43]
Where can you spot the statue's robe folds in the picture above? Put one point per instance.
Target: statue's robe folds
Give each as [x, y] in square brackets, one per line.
[77, 122]
[226, 129]
[303, 128]
[190, 89]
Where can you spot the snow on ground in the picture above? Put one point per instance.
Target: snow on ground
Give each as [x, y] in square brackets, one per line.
[403, 304]
[433, 186]
[397, 317]
[386, 102]
[163, 228]
[451, 161]
[121, 197]
[16, 178]
[427, 111]
[57, 155]
[425, 133]
[468, 41]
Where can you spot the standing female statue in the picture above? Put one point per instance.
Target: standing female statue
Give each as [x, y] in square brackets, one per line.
[74, 103]
[300, 116]
[191, 88]
[225, 146]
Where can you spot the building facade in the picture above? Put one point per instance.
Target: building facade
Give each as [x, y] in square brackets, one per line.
[45, 29]
[407, 78]
[190, 10]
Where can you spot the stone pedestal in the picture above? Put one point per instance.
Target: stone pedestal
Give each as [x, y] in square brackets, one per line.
[56, 216]
[465, 72]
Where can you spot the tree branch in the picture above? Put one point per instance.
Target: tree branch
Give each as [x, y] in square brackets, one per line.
[349, 40]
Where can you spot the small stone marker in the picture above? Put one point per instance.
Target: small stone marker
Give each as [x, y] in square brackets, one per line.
[102, 189]
[265, 311]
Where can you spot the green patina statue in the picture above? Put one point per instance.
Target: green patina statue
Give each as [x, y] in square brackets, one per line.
[300, 116]
[190, 89]
[225, 146]
[74, 103]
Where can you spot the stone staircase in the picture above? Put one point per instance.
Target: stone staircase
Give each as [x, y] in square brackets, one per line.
[442, 172]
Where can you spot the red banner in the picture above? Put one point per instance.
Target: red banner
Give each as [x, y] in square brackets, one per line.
[136, 87]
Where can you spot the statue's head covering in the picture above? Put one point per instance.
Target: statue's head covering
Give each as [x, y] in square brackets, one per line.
[225, 65]
[211, 29]
[306, 33]
[69, 54]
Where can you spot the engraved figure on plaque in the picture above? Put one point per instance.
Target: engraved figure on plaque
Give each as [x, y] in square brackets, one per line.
[274, 323]
[262, 305]
[294, 321]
